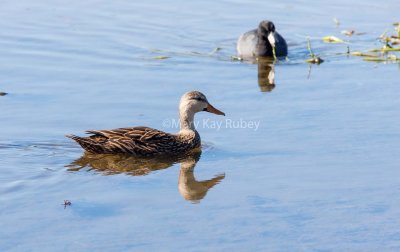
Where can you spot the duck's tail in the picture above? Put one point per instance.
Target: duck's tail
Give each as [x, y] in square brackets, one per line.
[87, 143]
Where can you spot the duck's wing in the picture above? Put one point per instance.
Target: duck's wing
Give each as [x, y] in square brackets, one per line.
[247, 43]
[141, 141]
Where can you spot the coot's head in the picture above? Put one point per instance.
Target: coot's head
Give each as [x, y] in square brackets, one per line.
[266, 29]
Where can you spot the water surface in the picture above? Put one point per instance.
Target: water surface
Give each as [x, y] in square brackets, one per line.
[320, 173]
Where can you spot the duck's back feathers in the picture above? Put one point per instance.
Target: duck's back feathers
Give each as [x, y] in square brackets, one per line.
[139, 141]
[87, 143]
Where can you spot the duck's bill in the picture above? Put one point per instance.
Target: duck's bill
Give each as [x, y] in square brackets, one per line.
[213, 110]
[271, 38]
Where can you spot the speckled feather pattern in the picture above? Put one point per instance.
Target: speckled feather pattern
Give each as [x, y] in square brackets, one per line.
[139, 141]
[149, 142]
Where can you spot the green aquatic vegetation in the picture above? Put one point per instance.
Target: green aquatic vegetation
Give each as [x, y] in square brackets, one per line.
[364, 54]
[236, 58]
[393, 57]
[395, 40]
[386, 49]
[375, 59]
[161, 57]
[312, 55]
[389, 58]
[397, 28]
[383, 35]
[314, 59]
[332, 39]
[215, 50]
[390, 41]
[273, 52]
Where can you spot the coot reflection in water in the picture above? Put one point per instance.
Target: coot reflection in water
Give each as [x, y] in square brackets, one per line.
[266, 74]
[110, 164]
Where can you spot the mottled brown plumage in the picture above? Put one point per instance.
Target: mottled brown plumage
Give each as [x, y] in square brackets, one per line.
[147, 142]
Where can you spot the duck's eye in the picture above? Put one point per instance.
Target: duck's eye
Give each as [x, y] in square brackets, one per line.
[198, 98]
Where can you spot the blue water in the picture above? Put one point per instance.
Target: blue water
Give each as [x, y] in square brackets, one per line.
[320, 172]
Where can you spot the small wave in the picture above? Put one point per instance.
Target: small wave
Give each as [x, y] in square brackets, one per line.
[40, 145]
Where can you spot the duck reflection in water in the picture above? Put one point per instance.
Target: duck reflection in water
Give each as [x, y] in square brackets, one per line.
[109, 164]
[191, 189]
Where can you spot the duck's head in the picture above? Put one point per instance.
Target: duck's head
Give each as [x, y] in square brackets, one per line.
[194, 101]
[266, 29]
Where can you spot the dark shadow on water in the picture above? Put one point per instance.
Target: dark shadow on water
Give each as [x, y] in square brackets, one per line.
[109, 164]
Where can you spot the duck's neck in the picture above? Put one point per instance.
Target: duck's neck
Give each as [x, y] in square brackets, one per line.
[188, 133]
[186, 119]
